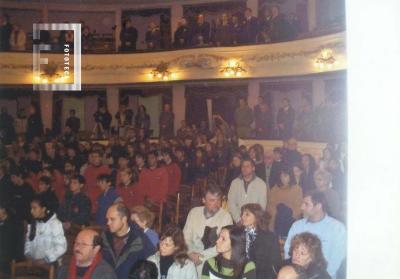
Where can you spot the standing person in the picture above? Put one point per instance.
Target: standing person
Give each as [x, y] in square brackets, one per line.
[224, 35]
[166, 121]
[306, 251]
[124, 118]
[263, 120]
[142, 120]
[231, 261]
[128, 36]
[87, 262]
[172, 259]
[262, 246]
[201, 31]
[34, 124]
[243, 119]
[103, 121]
[73, 122]
[153, 36]
[92, 171]
[203, 224]
[331, 232]
[285, 120]
[5, 32]
[182, 35]
[45, 240]
[124, 244]
[7, 130]
[279, 30]
[248, 188]
[249, 28]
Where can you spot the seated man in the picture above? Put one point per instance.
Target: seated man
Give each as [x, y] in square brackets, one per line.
[203, 225]
[87, 261]
[331, 232]
[124, 244]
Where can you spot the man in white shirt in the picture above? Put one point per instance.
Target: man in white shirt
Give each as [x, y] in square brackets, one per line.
[203, 225]
[247, 188]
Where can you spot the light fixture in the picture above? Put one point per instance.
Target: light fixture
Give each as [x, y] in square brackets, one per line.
[325, 60]
[233, 69]
[50, 73]
[161, 72]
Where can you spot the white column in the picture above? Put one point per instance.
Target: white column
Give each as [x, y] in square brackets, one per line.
[253, 5]
[253, 93]
[318, 91]
[178, 104]
[113, 102]
[312, 15]
[118, 24]
[46, 108]
[176, 15]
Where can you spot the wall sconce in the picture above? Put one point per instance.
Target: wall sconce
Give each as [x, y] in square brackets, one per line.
[325, 60]
[50, 73]
[233, 69]
[161, 72]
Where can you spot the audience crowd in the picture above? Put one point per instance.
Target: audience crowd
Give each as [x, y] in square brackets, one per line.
[228, 29]
[93, 209]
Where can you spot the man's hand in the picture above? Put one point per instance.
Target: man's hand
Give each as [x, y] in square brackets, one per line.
[195, 257]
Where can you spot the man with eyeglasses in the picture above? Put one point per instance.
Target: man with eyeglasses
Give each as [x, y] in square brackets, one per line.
[87, 261]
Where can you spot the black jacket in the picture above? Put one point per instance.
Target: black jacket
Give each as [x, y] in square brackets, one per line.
[266, 254]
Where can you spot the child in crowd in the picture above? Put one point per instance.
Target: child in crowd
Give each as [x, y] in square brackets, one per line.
[107, 197]
[144, 218]
[47, 194]
[45, 240]
[77, 206]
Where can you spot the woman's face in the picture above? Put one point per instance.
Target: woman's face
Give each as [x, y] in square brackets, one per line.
[248, 219]
[252, 154]
[297, 171]
[223, 243]
[285, 179]
[301, 256]
[37, 211]
[167, 246]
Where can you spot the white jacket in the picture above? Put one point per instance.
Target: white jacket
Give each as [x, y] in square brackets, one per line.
[49, 243]
[188, 271]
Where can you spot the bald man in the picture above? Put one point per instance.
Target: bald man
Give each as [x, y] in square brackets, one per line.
[87, 261]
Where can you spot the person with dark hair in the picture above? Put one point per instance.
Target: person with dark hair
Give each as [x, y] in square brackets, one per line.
[11, 240]
[331, 232]
[5, 32]
[233, 170]
[142, 120]
[107, 197]
[34, 123]
[45, 239]
[203, 224]
[276, 167]
[21, 196]
[309, 166]
[153, 36]
[7, 130]
[243, 119]
[247, 188]
[93, 170]
[154, 180]
[256, 153]
[201, 31]
[103, 119]
[129, 189]
[124, 243]
[285, 196]
[124, 117]
[128, 36]
[249, 28]
[73, 122]
[279, 26]
[224, 34]
[46, 193]
[143, 269]
[87, 262]
[174, 172]
[184, 165]
[291, 155]
[76, 208]
[306, 251]
[231, 261]
[183, 34]
[285, 120]
[262, 246]
[172, 259]
[166, 121]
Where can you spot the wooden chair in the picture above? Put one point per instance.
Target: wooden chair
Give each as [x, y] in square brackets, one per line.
[26, 270]
[173, 207]
[221, 175]
[199, 185]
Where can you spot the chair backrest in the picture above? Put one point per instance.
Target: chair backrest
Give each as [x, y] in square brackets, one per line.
[26, 270]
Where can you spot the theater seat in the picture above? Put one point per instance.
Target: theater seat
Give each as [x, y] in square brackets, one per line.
[30, 270]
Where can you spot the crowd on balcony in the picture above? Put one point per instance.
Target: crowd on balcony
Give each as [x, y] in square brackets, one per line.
[89, 208]
[230, 29]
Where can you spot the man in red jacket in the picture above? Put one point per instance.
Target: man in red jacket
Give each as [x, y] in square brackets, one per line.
[154, 179]
[174, 172]
[92, 171]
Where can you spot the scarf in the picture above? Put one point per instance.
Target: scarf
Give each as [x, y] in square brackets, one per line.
[165, 264]
[72, 267]
[251, 235]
